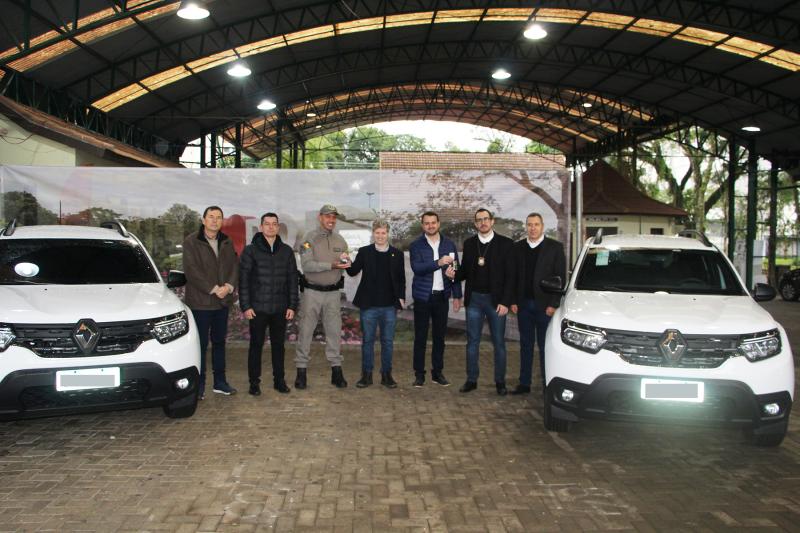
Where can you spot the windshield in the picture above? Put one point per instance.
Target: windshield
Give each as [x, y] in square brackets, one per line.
[73, 262]
[653, 270]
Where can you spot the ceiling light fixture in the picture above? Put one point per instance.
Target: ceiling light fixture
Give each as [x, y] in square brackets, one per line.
[311, 114]
[587, 105]
[266, 105]
[751, 129]
[239, 70]
[192, 10]
[534, 32]
[317, 126]
[501, 74]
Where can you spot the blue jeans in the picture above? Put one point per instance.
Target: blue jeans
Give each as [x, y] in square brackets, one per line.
[213, 323]
[480, 306]
[532, 322]
[371, 318]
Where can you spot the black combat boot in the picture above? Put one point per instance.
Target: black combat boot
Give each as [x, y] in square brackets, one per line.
[337, 378]
[300, 381]
[387, 380]
[281, 386]
[365, 381]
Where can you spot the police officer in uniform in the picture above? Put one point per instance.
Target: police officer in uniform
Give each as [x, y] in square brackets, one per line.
[323, 257]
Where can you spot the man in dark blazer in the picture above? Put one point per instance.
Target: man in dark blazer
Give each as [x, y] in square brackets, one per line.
[487, 268]
[536, 257]
[381, 292]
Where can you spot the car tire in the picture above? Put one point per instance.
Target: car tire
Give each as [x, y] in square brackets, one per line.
[767, 439]
[789, 292]
[183, 408]
[552, 423]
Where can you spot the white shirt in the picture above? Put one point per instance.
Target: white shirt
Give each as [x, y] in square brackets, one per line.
[438, 281]
[483, 239]
[534, 244]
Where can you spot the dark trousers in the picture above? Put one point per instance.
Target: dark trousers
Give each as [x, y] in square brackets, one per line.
[213, 324]
[532, 322]
[277, 335]
[434, 311]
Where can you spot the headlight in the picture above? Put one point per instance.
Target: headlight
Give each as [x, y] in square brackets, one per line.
[758, 346]
[587, 338]
[6, 337]
[170, 327]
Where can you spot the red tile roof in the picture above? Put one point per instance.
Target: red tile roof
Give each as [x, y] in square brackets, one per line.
[470, 161]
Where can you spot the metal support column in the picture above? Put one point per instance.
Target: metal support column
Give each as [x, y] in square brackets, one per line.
[733, 162]
[303, 155]
[634, 163]
[213, 149]
[752, 199]
[237, 154]
[295, 154]
[773, 225]
[279, 144]
[202, 151]
[577, 173]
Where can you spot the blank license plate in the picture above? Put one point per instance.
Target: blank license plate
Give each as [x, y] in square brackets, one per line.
[673, 390]
[87, 378]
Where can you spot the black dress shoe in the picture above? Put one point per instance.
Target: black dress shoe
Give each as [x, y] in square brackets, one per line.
[419, 381]
[440, 379]
[468, 386]
[387, 380]
[281, 387]
[521, 389]
[501, 388]
[337, 377]
[365, 381]
[255, 389]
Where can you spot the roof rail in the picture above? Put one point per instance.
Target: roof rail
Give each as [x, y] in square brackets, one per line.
[695, 234]
[598, 237]
[10, 228]
[117, 225]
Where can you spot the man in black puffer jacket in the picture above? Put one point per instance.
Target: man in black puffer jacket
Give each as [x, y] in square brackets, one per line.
[268, 297]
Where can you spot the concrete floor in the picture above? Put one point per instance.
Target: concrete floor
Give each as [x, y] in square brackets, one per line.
[408, 459]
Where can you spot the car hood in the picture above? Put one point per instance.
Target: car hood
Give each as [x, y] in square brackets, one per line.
[65, 304]
[657, 312]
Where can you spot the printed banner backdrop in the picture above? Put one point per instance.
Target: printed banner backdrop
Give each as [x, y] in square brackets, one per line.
[161, 206]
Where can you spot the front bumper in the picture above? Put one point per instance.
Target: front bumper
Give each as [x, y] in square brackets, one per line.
[617, 397]
[31, 393]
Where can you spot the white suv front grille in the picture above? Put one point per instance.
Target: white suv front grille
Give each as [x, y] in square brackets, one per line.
[56, 340]
[702, 351]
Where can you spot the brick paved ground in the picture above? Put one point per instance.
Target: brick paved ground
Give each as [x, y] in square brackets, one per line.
[377, 460]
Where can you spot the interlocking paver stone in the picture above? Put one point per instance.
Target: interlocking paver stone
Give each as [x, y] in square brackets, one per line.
[357, 460]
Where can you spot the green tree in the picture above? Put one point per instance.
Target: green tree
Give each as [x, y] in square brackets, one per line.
[24, 206]
[535, 147]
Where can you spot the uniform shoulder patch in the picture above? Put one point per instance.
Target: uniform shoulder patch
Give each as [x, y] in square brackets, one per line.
[305, 247]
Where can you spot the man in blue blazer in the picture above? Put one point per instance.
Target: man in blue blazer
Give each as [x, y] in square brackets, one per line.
[430, 255]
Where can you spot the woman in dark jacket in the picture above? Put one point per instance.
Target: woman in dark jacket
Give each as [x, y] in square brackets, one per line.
[381, 292]
[268, 297]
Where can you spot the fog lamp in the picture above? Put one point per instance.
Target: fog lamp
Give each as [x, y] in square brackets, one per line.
[182, 384]
[567, 395]
[771, 409]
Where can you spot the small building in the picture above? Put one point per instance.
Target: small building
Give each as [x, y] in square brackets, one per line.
[613, 203]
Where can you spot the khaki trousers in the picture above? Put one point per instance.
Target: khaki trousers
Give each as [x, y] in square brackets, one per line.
[312, 304]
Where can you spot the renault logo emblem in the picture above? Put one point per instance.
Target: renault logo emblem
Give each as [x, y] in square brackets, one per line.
[86, 334]
[672, 345]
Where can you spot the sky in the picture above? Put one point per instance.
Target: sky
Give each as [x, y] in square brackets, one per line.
[437, 133]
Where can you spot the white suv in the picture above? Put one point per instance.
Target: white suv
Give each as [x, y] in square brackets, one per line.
[87, 324]
[658, 328]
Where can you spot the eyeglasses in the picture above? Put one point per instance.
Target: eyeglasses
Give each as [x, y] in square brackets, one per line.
[483, 219]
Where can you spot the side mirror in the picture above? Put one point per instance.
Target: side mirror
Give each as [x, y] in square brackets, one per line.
[553, 285]
[176, 278]
[763, 292]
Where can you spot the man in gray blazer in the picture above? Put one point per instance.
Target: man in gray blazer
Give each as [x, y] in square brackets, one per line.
[536, 257]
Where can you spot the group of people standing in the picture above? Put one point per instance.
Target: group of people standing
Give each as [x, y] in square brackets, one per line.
[500, 276]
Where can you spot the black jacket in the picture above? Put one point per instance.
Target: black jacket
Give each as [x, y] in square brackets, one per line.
[500, 265]
[366, 261]
[268, 279]
[551, 262]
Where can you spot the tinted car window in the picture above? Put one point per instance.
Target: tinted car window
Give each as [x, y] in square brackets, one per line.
[652, 270]
[73, 262]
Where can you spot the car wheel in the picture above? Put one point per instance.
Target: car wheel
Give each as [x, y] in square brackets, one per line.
[789, 292]
[552, 423]
[183, 408]
[768, 439]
